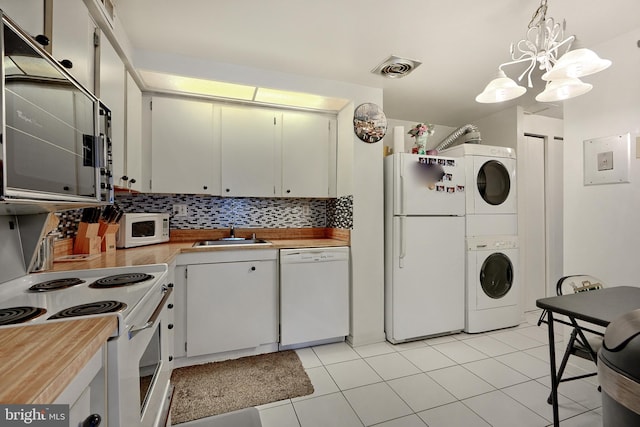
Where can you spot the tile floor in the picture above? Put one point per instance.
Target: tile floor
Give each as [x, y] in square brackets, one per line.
[499, 378]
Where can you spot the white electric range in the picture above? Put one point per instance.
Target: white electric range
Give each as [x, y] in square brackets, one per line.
[40, 297]
[139, 360]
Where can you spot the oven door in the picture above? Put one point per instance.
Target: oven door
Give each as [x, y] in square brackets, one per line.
[140, 368]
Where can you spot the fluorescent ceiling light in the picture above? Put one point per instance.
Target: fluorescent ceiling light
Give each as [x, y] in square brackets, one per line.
[299, 99]
[164, 82]
[195, 86]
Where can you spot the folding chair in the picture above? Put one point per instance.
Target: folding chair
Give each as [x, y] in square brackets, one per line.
[578, 345]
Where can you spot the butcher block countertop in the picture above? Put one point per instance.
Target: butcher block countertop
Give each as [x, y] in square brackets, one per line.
[39, 361]
[182, 242]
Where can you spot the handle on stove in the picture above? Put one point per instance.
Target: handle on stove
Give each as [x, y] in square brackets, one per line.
[156, 313]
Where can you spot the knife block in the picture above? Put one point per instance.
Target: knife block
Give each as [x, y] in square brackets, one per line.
[107, 233]
[87, 240]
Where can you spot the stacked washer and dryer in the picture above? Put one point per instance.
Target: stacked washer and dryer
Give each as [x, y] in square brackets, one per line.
[492, 287]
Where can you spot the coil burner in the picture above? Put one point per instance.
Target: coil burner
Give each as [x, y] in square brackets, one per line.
[98, 307]
[14, 315]
[120, 280]
[54, 285]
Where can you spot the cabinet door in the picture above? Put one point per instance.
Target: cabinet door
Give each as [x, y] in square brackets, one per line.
[28, 14]
[248, 137]
[231, 306]
[112, 93]
[133, 164]
[306, 144]
[183, 158]
[72, 39]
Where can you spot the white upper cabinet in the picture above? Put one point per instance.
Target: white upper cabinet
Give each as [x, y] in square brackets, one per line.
[28, 14]
[306, 151]
[72, 39]
[112, 94]
[133, 163]
[184, 157]
[249, 158]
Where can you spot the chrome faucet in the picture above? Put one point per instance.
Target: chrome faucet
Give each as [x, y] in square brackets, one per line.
[232, 231]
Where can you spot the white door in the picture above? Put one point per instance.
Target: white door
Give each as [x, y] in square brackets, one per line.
[541, 218]
[533, 232]
[314, 294]
[134, 135]
[427, 295]
[306, 149]
[183, 154]
[72, 39]
[428, 185]
[231, 306]
[249, 156]
[112, 93]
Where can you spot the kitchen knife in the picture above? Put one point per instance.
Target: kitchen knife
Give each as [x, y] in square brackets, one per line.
[119, 216]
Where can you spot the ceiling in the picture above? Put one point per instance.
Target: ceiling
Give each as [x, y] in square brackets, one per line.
[460, 43]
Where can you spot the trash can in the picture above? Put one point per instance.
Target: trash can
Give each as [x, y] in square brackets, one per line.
[619, 372]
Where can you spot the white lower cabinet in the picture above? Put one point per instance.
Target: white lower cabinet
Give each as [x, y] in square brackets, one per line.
[231, 306]
[86, 393]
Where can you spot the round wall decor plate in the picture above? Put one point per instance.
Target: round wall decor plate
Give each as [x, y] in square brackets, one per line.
[369, 122]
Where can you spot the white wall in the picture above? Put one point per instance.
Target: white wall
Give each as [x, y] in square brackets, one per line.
[502, 129]
[363, 178]
[601, 227]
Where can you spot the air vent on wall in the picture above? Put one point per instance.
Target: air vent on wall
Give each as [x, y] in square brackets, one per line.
[395, 67]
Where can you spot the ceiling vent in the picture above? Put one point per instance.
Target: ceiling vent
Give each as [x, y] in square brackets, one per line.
[395, 67]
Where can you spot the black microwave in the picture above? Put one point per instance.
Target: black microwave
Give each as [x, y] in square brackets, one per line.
[55, 141]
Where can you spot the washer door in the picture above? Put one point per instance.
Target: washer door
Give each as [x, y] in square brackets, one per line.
[493, 182]
[496, 275]
[495, 280]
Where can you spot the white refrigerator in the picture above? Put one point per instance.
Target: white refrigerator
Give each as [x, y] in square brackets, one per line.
[424, 246]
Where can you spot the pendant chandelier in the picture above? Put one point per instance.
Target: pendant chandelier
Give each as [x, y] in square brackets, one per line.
[546, 47]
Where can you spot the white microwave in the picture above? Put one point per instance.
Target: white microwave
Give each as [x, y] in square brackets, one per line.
[139, 229]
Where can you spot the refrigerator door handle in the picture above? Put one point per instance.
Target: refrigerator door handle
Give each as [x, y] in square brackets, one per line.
[401, 189]
[403, 244]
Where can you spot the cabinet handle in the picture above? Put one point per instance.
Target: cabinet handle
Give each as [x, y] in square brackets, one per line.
[227, 190]
[66, 64]
[170, 326]
[42, 39]
[92, 420]
[124, 178]
[204, 187]
[170, 358]
[288, 191]
[170, 306]
[253, 268]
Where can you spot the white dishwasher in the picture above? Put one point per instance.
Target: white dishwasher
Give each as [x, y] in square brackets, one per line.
[314, 295]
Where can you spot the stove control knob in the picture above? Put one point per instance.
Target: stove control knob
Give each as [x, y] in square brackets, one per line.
[170, 326]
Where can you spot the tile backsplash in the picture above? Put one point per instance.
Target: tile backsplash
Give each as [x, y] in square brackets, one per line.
[207, 212]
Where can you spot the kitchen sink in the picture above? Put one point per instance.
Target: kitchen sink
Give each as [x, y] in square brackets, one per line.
[235, 241]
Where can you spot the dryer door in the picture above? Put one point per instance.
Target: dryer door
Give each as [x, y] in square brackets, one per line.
[495, 186]
[497, 280]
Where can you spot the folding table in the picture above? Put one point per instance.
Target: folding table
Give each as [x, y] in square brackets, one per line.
[598, 307]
